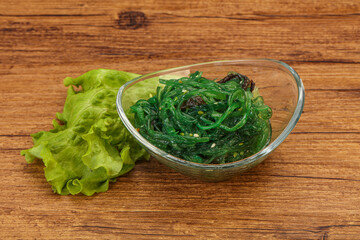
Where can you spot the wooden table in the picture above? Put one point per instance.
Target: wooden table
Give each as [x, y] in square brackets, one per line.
[309, 188]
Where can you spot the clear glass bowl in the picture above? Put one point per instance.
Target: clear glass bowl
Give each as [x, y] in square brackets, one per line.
[277, 82]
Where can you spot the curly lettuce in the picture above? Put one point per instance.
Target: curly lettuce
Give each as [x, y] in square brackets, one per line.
[88, 146]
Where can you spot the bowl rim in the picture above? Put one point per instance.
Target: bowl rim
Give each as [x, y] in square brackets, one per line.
[264, 152]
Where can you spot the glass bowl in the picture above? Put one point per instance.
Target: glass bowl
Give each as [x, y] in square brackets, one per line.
[277, 82]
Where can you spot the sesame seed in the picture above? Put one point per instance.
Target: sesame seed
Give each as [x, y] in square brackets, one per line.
[185, 91]
[180, 81]
[240, 144]
[182, 134]
[200, 112]
[196, 135]
[213, 145]
[190, 134]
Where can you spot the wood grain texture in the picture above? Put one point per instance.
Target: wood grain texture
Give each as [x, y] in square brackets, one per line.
[307, 189]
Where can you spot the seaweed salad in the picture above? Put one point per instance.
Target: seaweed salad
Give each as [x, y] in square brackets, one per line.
[205, 121]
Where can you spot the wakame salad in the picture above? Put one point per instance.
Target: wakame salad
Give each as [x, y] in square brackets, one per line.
[205, 121]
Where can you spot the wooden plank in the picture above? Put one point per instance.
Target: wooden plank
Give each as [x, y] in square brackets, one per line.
[266, 8]
[153, 202]
[81, 37]
[31, 109]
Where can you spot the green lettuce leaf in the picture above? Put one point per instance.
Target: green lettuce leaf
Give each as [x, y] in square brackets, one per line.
[90, 146]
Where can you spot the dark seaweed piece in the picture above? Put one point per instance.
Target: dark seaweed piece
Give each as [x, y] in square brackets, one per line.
[252, 85]
[229, 77]
[192, 102]
[246, 82]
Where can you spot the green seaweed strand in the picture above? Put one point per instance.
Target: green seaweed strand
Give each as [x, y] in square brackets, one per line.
[205, 121]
